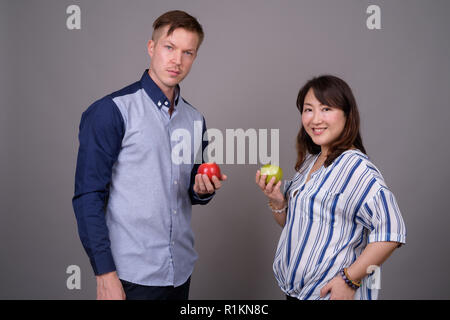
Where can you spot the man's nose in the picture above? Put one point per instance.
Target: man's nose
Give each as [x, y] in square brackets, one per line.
[176, 58]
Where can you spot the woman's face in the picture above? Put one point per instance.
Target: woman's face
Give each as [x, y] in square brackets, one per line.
[324, 124]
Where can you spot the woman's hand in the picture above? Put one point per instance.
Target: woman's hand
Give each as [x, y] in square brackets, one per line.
[271, 191]
[339, 290]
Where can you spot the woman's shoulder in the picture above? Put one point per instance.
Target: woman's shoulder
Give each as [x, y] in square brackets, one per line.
[360, 165]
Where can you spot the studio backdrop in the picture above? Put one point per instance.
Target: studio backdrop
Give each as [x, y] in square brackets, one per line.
[57, 57]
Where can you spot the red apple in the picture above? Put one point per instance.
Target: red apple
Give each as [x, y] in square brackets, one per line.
[211, 169]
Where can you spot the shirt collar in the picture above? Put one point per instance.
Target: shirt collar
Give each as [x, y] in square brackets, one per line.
[155, 93]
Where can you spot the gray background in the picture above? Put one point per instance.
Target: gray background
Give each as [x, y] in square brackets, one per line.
[255, 57]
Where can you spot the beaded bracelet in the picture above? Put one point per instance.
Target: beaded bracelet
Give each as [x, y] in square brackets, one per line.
[277, 210]
[352, 284]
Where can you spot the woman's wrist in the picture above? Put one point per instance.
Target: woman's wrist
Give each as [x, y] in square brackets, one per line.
[277, 206]
[348, 280]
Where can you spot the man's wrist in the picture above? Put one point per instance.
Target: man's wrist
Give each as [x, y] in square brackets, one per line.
[107, 275]
[204, 195]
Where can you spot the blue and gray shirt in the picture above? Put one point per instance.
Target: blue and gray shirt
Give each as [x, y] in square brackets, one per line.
[132, 201]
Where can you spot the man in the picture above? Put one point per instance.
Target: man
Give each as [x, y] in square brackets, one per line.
[132, 202]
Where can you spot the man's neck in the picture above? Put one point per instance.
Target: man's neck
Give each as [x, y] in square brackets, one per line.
[169, 92]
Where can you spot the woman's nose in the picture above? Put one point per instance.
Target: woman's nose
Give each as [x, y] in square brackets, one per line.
[317, 117]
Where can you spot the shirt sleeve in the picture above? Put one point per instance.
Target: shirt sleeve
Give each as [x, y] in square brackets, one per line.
[100, 135]
[195, 198]
[381, 215]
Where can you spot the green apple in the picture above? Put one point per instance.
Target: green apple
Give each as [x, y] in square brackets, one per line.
[272, 171]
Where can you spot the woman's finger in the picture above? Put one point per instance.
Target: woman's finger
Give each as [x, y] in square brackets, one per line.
[269, 186]
[262, 182]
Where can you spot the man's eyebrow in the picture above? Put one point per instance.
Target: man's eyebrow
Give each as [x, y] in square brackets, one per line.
[173, 45]
[169, 42]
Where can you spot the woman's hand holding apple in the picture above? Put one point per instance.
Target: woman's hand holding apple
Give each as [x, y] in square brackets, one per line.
[271, 190]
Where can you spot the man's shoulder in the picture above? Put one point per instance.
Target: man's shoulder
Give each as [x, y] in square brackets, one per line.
[103, 110]
[129, 89]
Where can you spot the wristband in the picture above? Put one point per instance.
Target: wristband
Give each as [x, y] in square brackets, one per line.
[352, 284]
[277, 210]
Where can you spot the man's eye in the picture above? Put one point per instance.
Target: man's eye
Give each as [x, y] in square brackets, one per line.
[169, 47]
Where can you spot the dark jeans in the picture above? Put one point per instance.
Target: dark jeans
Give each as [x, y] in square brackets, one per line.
[139, 292]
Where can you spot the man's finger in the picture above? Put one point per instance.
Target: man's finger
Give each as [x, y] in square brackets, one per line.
[200, 183]
[216, 182]
[208, 185]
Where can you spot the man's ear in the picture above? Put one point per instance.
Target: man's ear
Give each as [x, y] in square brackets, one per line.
[150, 47]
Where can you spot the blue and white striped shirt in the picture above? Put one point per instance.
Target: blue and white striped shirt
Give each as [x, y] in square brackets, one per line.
[132, 202]
[330, 221]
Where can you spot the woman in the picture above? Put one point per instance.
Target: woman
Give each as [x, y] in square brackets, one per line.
[340, 221]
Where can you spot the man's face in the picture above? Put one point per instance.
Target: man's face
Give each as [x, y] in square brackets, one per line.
[172, 56]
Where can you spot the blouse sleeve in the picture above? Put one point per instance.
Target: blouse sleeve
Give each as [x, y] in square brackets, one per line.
[381, 215]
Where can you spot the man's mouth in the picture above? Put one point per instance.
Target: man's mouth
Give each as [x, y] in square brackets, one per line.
[173, 72]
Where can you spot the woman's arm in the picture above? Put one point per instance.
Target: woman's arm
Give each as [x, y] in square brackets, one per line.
[280, 218]
[375, 254]
[273, 193]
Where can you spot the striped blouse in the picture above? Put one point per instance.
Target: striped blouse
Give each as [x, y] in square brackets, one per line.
[330, 221]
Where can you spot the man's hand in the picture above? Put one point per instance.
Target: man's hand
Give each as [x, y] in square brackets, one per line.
[109, 287]
[205, 186]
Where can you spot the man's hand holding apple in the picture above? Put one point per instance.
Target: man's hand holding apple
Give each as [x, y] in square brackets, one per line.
[208, 179]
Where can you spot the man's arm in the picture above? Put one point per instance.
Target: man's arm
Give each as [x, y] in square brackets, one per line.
[100, 136]
[195, 197]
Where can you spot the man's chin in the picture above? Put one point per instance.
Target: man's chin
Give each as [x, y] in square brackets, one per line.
[172, 82]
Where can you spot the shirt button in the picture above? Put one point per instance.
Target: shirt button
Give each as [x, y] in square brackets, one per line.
[159, 103]
[173, 243]
[174, 211]
[175, 182]
[166, 103]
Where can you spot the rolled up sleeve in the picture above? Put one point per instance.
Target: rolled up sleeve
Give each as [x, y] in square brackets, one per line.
[382, 216]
